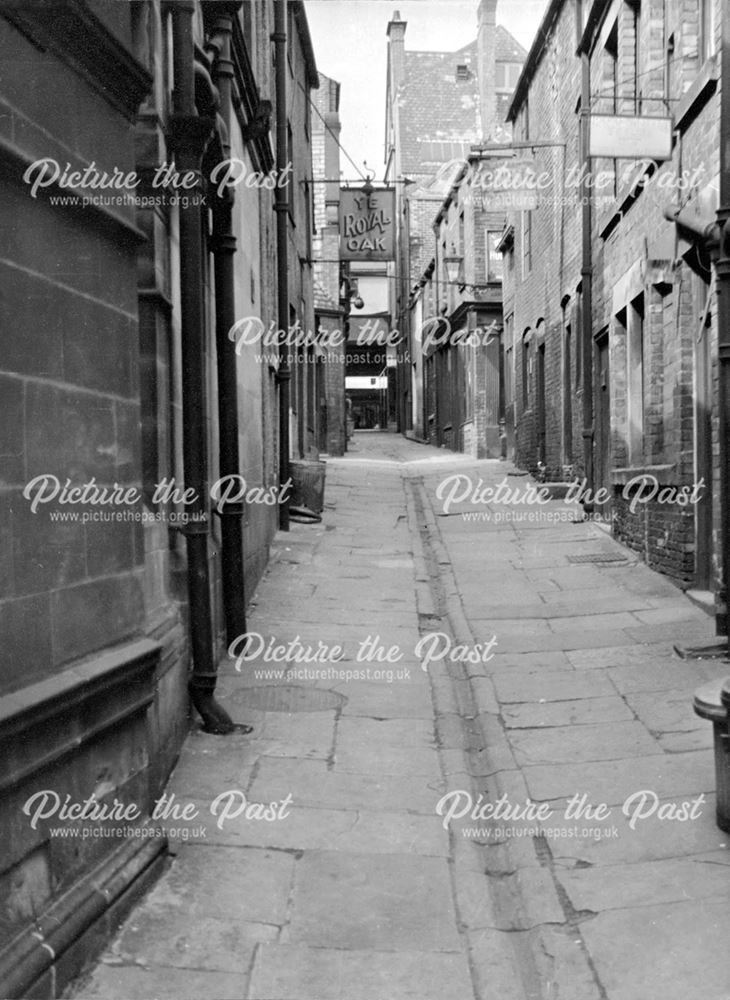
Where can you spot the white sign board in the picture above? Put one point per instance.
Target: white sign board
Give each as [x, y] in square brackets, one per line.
[366, 382]
[626, 137]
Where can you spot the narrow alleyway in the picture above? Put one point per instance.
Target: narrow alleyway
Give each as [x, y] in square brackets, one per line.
[338, 853]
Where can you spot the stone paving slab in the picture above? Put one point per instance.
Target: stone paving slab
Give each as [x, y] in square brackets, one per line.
[581, 712]
[354, 732]
[125, 982]
[208, 764]
[395, 902]
[578, 602]
[656, 677]
[658, 654]
[302, 828]
[564, 744]
[318, 786]
[200, 882]
[662, 952]
[531, 641]
[671, 712]
[406, 699]
[294, 971]
[544, 660]
[413, 763]
[611, 620]
[612, 782]
[534, 685]
[620, 887]
[650, 839]
[166, 938]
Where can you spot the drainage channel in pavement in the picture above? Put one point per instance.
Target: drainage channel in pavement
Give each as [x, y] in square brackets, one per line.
[533, 955]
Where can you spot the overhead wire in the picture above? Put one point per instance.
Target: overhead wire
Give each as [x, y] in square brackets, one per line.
[329, 129]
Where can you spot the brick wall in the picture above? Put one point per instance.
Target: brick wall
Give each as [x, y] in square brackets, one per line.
[541, 290]
[640, 281]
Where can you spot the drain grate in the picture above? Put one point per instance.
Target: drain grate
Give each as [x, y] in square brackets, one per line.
[598, 557]
[288, 698]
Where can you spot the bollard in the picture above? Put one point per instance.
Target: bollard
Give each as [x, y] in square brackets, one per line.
[712, 701]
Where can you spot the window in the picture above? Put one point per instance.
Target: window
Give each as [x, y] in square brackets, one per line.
[634, 321]
[567, 385]
[248, 14]
[526, 369]
[577, 326]
[507, 75]
[462, 72]
[608, 102]
[637, 59]
[290, 159]
[291, 33]
[493, 258]
[706, 40]
[610, 70]
[526, 243]
[672, 70]
[311, 361]
[509, 375]
[525, 120]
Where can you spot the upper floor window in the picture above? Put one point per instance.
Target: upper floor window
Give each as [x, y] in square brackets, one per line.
[526, 243]
[706, 39]
[506, 75]
[493, 258]
[630, 326]
[526, 368]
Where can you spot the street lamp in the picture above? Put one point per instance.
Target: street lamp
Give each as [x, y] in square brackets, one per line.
[452, 263]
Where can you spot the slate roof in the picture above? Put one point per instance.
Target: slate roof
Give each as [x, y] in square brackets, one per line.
[439, 110]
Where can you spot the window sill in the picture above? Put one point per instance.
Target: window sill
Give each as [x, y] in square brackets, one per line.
[665, 475]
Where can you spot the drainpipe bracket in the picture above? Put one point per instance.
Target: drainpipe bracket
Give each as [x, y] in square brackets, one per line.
[188, 135]
[230, 510]
[224, 242]
[193, 528]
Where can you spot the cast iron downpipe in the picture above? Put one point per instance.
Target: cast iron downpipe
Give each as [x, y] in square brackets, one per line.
[190, 134]
[586, 273]
[281, 207]
[722, 270]
[224, 248]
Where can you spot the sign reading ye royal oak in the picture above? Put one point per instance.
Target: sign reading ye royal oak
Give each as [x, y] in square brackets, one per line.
[367, 224]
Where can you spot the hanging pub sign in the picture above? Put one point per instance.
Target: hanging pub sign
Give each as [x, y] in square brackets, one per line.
[367, 223]
[631, 137]
[501, 185]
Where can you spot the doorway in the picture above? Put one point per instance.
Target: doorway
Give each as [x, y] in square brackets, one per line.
[602, 410]
[703, 438]
[540, 404]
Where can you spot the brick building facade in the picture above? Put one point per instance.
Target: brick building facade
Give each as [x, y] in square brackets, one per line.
[329, 311]
[461, 328]
[632, 379]
[438, 106]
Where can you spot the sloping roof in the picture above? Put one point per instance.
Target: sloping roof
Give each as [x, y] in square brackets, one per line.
[506, 47]
[440, 115]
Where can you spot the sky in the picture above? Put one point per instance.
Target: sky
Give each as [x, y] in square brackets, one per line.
[350, 46]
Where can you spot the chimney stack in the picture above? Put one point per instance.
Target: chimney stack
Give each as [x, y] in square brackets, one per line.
[397, 46]
[486, 55]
